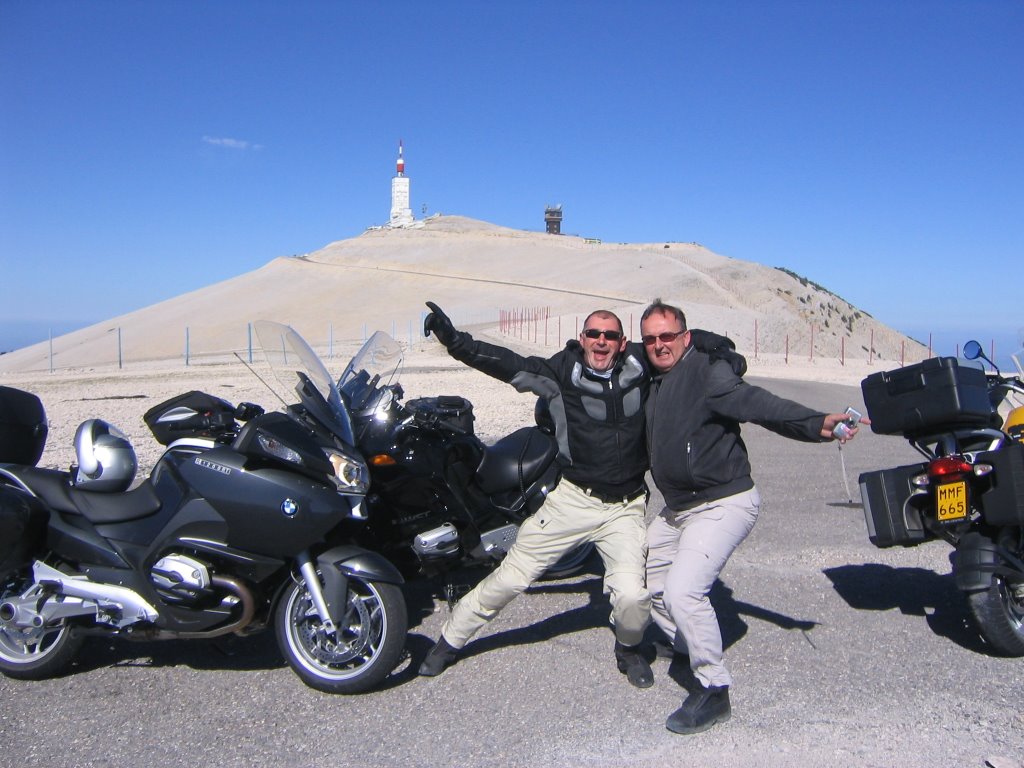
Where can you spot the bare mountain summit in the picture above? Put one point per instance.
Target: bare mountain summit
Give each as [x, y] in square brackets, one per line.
[380, 280]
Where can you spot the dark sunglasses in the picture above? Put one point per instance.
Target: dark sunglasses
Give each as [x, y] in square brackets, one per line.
[664, 338]
[595, 333]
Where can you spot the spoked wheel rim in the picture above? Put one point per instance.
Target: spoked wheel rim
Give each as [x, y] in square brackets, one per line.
[355, 646]
[1012, 602]
[33, 652]
[19, 646]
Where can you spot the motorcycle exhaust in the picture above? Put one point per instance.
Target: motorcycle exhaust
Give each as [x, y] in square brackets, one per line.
[235, 587]
[245, 596]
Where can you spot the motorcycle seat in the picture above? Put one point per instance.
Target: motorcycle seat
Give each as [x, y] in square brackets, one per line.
[49, 485]
[528, 447]
[104, 508]
[54, 489]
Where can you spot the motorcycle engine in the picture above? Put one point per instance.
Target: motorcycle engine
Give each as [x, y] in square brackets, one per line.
[180, 579]
[438, 543]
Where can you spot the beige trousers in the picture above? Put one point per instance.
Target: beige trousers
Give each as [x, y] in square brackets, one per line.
[569, 518]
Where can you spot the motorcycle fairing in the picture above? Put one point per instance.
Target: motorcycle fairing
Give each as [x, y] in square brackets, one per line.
[268, 510]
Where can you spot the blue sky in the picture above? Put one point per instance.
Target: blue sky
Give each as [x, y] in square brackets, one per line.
[151, 148]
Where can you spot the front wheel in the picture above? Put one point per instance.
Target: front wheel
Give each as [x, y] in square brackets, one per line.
[999, 613]
[363, 650]
[34, 653]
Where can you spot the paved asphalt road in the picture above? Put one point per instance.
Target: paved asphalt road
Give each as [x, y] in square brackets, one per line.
[843, 655]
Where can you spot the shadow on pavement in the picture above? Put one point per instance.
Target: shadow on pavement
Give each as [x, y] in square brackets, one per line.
[914, 592]
[254, 652]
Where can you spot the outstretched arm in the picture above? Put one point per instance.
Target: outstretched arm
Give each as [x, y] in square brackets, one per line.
[499, 362]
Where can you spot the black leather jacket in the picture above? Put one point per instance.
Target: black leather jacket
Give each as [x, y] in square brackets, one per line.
[599, 422]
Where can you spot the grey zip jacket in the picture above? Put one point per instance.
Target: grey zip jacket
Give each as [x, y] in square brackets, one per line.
[694, 414]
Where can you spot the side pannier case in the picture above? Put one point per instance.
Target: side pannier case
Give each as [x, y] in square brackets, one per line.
[23, 427]
[891, 518]
[22, 528]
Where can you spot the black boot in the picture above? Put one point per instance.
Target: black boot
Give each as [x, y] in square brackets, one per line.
[631, 663]
[438, 658]
[701, 710]
[666, 651]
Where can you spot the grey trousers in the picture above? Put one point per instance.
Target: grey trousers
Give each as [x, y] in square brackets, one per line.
[686, 552]
[569, 518]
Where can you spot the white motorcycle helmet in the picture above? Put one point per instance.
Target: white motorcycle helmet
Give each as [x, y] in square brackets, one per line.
[106, 460]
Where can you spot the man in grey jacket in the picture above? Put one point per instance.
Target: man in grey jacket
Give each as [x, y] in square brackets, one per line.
[699, 463]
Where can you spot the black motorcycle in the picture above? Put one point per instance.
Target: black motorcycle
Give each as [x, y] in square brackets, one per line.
[968, 492]
[247, 519]
[441, 499]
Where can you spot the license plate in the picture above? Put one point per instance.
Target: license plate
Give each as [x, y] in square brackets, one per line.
[951, 502]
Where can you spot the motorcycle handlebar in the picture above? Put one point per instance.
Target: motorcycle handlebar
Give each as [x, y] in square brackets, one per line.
[427, 419]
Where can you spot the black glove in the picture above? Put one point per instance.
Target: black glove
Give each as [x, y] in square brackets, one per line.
[438, 322]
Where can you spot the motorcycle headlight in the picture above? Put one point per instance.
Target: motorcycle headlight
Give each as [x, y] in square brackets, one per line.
[350, 473]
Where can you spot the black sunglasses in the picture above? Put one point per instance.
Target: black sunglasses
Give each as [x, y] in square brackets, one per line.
[595, 333]
[664, 338]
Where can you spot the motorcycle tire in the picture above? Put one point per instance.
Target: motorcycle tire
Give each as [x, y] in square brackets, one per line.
[999, 614]
[38, 653]
[365, 649]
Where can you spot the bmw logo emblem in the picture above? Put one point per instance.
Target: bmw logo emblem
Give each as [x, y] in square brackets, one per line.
[289, 508]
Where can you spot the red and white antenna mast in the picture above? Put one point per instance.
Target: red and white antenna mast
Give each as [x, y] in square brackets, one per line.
[401, 160]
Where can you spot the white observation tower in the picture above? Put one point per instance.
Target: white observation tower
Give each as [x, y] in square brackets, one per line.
[401, 214]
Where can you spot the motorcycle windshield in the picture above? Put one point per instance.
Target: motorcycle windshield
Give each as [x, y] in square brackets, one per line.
[1018, 356]
[292, 361]
[377, 365]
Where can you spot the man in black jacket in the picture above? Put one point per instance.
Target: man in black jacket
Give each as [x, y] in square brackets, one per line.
[595, 389]
[699, 463]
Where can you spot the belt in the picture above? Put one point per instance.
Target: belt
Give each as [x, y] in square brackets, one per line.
[615, 498]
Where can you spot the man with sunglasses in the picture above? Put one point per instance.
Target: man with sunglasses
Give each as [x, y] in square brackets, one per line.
[595, 388]
[699, 463]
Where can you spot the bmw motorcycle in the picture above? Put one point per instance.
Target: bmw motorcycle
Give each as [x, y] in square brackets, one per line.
[969, 491]
[247, 520]
[441, 499]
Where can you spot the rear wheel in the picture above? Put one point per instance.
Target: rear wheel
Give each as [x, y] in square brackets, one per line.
[365, 647]
[999, 614]
[999, 610]
[33, 653]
